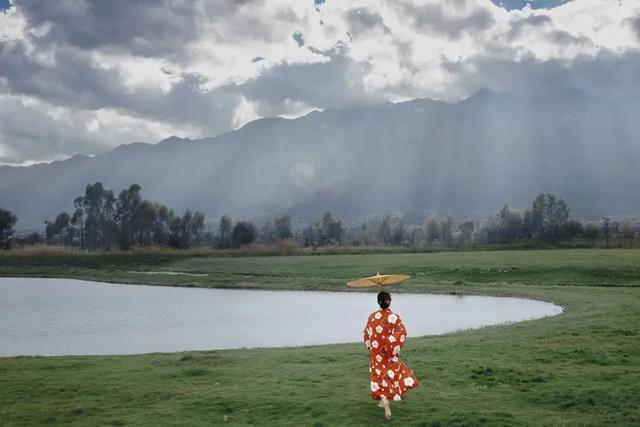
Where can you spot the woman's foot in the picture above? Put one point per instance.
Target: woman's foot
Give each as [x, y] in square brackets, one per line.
[387, 407]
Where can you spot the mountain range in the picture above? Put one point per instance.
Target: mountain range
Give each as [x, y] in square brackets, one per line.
[413, 158]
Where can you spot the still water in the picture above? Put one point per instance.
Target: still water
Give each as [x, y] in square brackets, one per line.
[63, 317]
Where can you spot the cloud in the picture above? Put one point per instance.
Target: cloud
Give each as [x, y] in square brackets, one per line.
[199, 68]
[361, 20]
[607, 76]
[334, 82]
[635, 23]
[37, 131]
[141, 27]
[450, 21]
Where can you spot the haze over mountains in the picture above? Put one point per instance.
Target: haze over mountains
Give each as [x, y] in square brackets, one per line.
[414, 158]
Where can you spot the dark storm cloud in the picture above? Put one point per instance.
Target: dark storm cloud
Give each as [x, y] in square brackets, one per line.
[148, 28]
[564, 38]
[431, 18]
[335, 83]
[73, 81]
[517, 26]
[635, 24]
[361, 20]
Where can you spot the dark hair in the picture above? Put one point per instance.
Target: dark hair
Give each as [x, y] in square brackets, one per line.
[384, 300]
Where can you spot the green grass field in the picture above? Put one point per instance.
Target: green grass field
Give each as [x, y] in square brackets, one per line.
[579, 368]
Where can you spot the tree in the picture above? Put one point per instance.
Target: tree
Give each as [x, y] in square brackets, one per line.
[100, 226]
[364, 233]
[187, 230]
[591, 232]
[384, 231]
[126, 206]
[548, 215]
[282, 227]
[439, 229]
[571, 229]
[446, 229]
[511, 224]
[161, 227]
[195, 227]
[62, 227]
[398, 234]
[310, 236]
[465, 231]
[77, 220]
[244, 233]
[224, 232]
[34, 239]
[268, 233]
[432, 230]
[606, 229]
[628, 233]
[7, 222]
[142, 222]
[331, 230]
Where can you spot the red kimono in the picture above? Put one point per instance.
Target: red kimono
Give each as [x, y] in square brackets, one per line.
[384, 336]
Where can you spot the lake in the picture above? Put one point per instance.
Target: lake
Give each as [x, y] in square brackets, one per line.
[64, 317]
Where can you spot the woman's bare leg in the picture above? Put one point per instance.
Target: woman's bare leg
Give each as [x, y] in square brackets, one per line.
[387, 407]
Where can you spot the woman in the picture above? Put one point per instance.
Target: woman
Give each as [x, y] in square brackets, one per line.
[384, 336]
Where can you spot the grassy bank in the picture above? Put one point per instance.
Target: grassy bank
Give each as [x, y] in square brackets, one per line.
[580, 368]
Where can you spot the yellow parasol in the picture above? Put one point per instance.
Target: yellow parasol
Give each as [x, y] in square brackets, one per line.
[378, 280]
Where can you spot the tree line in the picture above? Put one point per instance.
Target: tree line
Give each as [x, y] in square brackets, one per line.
[101, 220]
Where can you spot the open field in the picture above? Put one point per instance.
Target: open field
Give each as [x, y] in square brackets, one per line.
[580, 368]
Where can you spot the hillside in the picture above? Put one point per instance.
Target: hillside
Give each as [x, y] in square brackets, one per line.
[467, 159]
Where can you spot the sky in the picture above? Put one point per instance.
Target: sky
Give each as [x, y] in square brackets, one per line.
[84, 76]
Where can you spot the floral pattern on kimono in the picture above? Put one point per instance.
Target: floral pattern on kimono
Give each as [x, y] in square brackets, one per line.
[384, 336]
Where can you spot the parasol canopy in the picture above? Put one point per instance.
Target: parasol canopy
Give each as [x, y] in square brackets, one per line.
[378, 280]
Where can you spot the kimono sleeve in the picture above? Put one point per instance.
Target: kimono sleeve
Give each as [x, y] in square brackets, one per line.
[367, 335]
[397, 335]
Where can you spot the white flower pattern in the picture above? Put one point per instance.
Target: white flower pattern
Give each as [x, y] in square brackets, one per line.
[389, 376]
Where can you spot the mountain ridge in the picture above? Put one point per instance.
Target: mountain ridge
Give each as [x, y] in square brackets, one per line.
[415, 157]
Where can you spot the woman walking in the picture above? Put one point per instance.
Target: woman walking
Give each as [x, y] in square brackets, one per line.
[384, 336]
